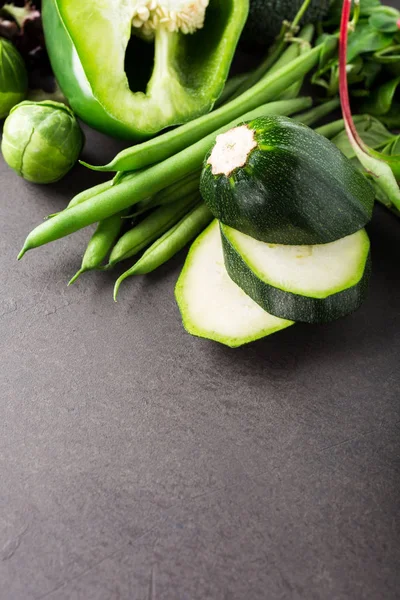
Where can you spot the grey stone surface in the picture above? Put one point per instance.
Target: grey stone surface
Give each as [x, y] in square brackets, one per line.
[137, 462]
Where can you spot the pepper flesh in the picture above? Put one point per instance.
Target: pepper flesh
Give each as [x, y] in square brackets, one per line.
[174, 78]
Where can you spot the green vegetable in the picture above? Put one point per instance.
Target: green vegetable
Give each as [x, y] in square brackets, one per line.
[169, 195]
[266, 17]
[313, 284]
[382, 103]
[390, 58]
[367, 39]
[330, 130]
[318, 112]
[150, 229]
[101, 187]
[90, 192]
[382, 98]
[366, 8]
[169, 143]
[386, 19]
[231, 86]
[169, 244]
[86, 194]
[169, 80]
[41, 141]
[278, 57]
[13, 77]
[280, 182]
[294, 90]
[365, 43]
[371, 131]
[132, 189]
[392, 152]
[382, 168]
[212, 305]
[100, 245]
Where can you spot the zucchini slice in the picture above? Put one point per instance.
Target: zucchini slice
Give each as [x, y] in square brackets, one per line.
[212, 305]
[280, 182]
[313, 284]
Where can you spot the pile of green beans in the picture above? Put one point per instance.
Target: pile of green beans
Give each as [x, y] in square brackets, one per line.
[157, 182]
[100, 244]
[181, 188]
[150, 228]
[139, 186]
[169, 244]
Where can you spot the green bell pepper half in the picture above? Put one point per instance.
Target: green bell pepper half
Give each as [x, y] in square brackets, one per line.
[131, 86]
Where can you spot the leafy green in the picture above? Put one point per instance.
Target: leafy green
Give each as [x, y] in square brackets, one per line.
[367, 7]
[381, 99]
[373, 40]
[372, 132]
[381, 168]
[367, 39]
[385, 19]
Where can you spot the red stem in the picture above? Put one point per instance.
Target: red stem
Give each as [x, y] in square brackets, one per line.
[343, 85]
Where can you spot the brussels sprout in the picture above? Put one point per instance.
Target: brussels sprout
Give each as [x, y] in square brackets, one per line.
[41, 140]
[13, 77]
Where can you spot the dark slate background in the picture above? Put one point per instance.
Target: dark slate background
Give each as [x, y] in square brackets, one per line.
[139, 463]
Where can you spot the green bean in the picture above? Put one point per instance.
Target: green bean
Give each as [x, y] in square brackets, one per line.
[169, 244]
[150, 229]
[164, 146]
[272, 64]
[85, 195]
[97, 189]
[231, 86]
[318, 112]
[303, 47]
[90, 192]
[101, 187]
[170, 194]
[123, 175]
[293, 91]
[331, 129]
[131, 191]
[100, 244]
[294, 50]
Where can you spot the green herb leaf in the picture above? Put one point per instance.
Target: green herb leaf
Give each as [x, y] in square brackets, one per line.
[372, 132]
[392, 118]
[381, 100]
[371, 70]
[393, 148]
[367, 39]
[367, 7]
[385, 19]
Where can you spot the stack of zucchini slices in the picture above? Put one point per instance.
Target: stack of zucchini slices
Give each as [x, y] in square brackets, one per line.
[288, 243]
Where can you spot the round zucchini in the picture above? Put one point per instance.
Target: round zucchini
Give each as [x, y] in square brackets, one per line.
[313, 284]
[280, 182]
[212, 305]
